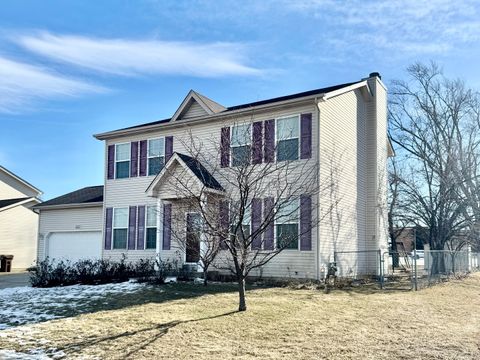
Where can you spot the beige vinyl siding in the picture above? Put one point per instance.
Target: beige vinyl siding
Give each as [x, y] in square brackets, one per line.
[11, 188]
[195, 110]
[18, 235]
[67, 219]
[343, 162]
[131, 191]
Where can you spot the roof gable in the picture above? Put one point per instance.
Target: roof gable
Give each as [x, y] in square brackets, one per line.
[196, 105]
[15, 186]
[194, 178]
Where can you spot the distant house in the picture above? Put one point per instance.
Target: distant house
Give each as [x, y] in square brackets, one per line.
[18, 222]
[137, 213]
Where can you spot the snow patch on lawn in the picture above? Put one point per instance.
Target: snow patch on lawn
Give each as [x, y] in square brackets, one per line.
[32, 354]
[25, 305]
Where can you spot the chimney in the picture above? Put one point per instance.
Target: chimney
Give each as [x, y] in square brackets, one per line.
[375, 74]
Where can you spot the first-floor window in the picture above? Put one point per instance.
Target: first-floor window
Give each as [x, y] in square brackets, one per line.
[244, 232]
[120, 228]
[287, 225]
[151, 226]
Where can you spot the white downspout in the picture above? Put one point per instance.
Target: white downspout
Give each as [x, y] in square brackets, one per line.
[317, 247]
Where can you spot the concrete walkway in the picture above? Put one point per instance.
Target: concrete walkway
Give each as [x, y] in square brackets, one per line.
[13, 279]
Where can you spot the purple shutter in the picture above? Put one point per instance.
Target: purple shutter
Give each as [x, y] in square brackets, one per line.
[268, 214]
[257, 151]
[269, 144]
[132, 227]
[256, 223]
[143, 158]
[306, 136]
[225, 147]
[167, 226]
[224, 222]
[108, 228]
[141, 228]
[168, 148]
[134, 159]
[111, 162]
[305, 222]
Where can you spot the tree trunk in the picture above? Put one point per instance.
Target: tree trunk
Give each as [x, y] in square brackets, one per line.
[205, 276]
[242, 305]
[438, 263]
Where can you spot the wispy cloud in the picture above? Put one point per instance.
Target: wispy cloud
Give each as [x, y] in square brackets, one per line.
[409, 27]
[23, 85]
[131, 58]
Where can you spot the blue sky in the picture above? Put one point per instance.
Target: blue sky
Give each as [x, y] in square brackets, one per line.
[69, 69]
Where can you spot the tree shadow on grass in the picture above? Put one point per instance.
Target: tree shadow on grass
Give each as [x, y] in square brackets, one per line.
[153, 334]
[149, 294]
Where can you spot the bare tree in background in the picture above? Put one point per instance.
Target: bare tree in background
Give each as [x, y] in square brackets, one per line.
[434, 122]
[262, 208]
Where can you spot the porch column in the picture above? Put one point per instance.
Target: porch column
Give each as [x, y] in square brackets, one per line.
[159, 227]
[203, 239]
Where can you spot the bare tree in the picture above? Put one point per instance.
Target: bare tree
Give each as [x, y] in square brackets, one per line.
[257, 198]
[433, 122]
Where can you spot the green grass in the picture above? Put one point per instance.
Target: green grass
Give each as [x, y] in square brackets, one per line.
[188, 321]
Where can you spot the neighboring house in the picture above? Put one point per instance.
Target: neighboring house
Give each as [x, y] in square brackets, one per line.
[347, 122]
[70, 226]
[407, 237]
[18, 223]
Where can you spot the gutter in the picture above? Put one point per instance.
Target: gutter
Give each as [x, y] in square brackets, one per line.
[68, 206]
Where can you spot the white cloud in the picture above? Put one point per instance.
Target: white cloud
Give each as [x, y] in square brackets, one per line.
[23, 85]
[130, 57]
[409, 27]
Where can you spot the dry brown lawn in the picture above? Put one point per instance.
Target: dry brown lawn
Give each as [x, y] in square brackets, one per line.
[442, 322]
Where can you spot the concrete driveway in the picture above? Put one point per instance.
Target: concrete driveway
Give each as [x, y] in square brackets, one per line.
[13, 279]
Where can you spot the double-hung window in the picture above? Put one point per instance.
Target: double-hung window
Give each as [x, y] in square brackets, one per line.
[287, 225]
[288, 135]
[244, 232]
[151, 226]
[120, 228]
[241, 144]
[156, 155]
[122, 161]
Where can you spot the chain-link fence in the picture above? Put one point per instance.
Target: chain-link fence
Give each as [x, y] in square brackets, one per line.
[402, 270]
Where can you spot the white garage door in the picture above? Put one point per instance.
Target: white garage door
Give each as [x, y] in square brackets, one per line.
[74, 246]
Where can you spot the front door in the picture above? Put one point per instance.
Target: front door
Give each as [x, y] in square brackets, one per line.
[194, 222]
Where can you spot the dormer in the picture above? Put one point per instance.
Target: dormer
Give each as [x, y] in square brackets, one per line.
[196, 105]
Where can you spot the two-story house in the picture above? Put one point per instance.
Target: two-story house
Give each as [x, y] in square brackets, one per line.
[341, 130]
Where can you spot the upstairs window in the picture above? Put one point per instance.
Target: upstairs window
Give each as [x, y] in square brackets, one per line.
[288, 130]
[151, 226]
[156, 155]
[122, 161]
[241, 144]
[287, 225]
[120, 228]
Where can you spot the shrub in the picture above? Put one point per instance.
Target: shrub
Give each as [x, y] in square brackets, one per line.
[48, 273]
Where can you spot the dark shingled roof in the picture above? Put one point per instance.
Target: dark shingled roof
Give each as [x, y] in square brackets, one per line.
[257, 103]
[200, 172]
[8, 202]
[86, 195]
